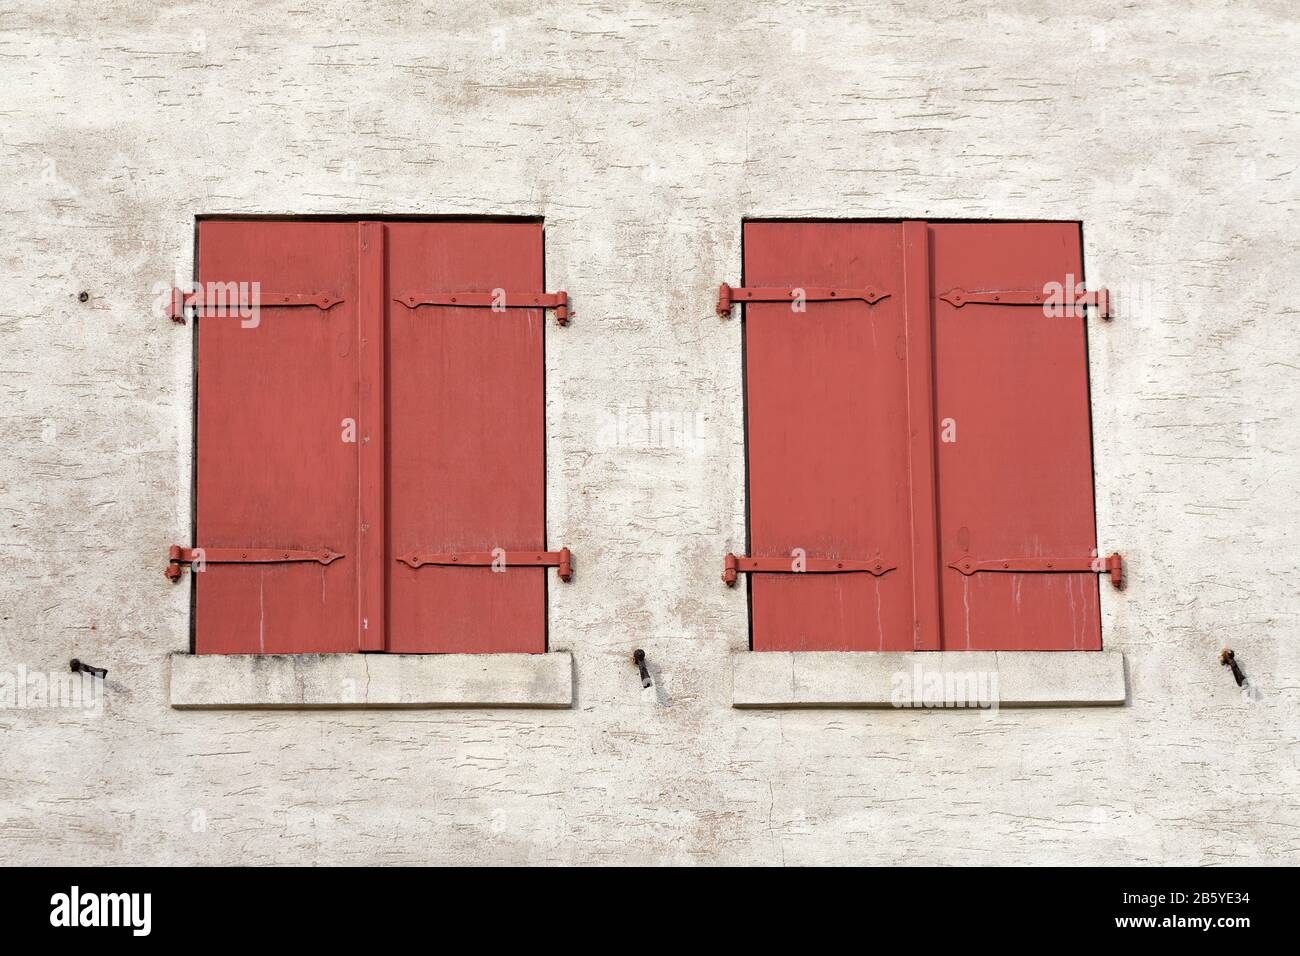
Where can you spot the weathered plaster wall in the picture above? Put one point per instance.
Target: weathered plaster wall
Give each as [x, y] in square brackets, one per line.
[644, 133]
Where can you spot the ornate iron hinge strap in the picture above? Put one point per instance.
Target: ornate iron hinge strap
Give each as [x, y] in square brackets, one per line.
[1073, 304]
[239, 305]
[496, 300]
[561, 560]
[1112, 565]
[733, 565]
[729, 295]
[177, 557]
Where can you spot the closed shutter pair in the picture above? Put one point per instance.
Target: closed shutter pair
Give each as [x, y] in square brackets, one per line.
[919, 437]
[369, 450]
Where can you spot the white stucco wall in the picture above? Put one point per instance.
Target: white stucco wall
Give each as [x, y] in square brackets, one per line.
[643, 136]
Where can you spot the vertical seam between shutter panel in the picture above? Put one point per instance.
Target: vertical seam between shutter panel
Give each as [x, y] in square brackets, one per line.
[918, 317]
[371, 572]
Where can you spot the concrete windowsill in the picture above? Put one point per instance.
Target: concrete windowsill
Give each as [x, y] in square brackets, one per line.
[308, 681]
[779, 679]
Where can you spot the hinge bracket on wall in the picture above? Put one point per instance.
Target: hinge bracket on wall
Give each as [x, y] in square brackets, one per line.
[181, 302]
[1076, 306]
[1112, 565]
[496, 300]
[561, 560]
[177, 557]
[733, 565]
[728, 295]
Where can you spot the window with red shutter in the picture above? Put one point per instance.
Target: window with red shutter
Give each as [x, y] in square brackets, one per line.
[918, 437]
[370, 450]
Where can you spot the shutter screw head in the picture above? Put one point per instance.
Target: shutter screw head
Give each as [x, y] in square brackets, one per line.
[83, 296]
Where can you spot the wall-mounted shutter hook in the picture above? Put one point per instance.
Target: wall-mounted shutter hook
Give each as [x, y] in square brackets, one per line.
[638, 658]
[1229, 659]
[77, 666]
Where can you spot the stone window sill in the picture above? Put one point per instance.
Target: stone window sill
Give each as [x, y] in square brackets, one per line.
[358, 681]
[778, 679]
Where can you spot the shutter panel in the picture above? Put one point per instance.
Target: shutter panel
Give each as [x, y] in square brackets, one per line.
[465, 439]
[273, 471]
[1017, 482]
[828, 438]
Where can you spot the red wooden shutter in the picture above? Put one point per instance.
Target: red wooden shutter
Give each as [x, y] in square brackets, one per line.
[274, 474]
[466, 439]
[1016, 483]
[828, 437]
[848, 408]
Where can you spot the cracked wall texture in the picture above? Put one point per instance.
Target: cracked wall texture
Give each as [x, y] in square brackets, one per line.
[644, 133]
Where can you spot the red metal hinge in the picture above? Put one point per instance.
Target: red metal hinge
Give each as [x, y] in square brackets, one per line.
[562, 560]
[497, 299]
[1076, 306]
[728, 295]
[1112, 565]
[733, 565]
[178, 556]
[180, 301]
